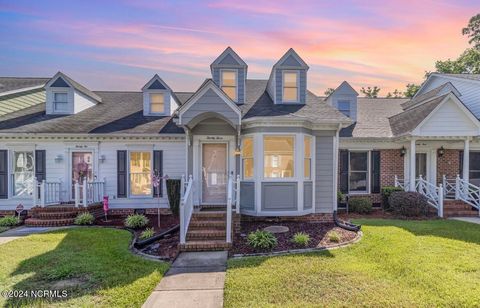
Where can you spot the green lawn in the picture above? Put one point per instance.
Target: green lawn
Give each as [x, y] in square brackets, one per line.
[93, 264]
[397, 263]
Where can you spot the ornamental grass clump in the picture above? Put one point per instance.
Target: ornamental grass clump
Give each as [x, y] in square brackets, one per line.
[9, 221]
[136, 221]
[301, 239]
[147, 233]
[84, 219]
[262, 240]
[334, 237]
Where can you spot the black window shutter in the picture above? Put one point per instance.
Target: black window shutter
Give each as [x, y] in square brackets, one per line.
[121, 174]
[40, 168]
[158, 171]
[3, 174]
[344, 171]
[460, 163]
[375, 172]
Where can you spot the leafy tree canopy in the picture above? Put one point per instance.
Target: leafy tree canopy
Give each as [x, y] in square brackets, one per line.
[472, 30]
[370, 92]
[411, 90]
[329, 91]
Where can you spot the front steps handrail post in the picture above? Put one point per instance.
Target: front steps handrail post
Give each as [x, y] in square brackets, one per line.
[186, 210]
[229, 209]
[433, 194]
[237, 199]
[468, 193]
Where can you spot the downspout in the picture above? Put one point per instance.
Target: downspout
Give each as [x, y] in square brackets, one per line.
[336, 144]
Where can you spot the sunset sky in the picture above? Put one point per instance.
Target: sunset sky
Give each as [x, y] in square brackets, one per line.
[121, 44]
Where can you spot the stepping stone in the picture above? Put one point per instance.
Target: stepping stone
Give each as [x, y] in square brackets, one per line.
[276, 229]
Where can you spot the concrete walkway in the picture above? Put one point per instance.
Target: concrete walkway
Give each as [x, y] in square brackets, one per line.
[473, 220]
[196, 279]
[15, 233]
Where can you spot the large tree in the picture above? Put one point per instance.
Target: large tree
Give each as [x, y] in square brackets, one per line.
[472, 30]
[370, 92]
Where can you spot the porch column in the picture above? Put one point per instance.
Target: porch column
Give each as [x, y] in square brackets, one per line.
[412, 165]
[466, 160]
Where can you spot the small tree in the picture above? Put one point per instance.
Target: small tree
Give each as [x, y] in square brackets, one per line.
[411, 90]
[329, 91]
[370, 92]
[395, 94]
[472, 30]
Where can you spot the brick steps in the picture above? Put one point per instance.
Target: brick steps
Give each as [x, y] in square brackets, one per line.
[207, 230]
[36, 222]
[55, 215]
[205, 245]
[458, 208]
[209, 234]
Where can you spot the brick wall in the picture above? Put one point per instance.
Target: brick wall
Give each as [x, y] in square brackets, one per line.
[448, 164]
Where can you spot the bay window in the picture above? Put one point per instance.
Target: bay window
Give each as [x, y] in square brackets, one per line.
[247, 157]
[358, 175]
[23, 173]
[290, 86]
[140, 174]
[228, 83]
[157, 103]
[307, 160]
[278, 156]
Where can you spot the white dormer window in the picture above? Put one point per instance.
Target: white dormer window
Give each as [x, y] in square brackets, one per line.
[157, 102]
[228, 83]
[344, 107]
[60, 102]
[290, 86]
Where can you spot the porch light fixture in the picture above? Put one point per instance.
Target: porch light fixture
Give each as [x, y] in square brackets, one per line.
[58, 158]
[101, 159]
[403, 151]
[441, 151]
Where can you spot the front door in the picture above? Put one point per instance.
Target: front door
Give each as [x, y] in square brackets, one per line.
[421, 165]
[81, 168]
[214, 173]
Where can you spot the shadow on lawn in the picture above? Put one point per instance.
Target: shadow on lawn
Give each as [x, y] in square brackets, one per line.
[83, 263]
[450, 229]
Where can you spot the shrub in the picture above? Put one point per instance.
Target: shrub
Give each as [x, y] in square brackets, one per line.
[147, 233]
[333, 236]
[84, 219]
[263, 240]
[340, 197]
[9, 221]
[173, 193]
[136, 221]
[360, 205]
[410, 204]
[301, 239]
[386, 192]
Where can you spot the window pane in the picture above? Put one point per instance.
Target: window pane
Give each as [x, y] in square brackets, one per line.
[358, 181]
[307, 167]
[290, 79]
[247, 150]
[157, 102]
[290, 94]
[61, 97]
[157, 108]
[343, 105]
[278, 156]
[23, 173]
[307, 144]
[474, 160]
[140, 173]
[420, 164]
[248, 167]
[358, 161]
[228, 78]
[60, 106]
[231, 92]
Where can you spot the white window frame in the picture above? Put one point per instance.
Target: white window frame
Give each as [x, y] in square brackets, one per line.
[349, 107]
[367, 192]
[236, 82]
[11, 167]
[298, 86]
[54, 102]
[295, 157]
[248, 157]
[305, 157]
[150, 93]
[130, 195]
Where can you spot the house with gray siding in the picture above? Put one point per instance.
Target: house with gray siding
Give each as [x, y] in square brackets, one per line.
[245, 147]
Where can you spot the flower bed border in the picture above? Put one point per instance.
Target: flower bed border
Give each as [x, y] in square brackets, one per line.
[356, 239]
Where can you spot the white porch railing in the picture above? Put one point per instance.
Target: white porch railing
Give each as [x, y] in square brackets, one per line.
[233, 198]
[46, 193]
[434, 194]
[89, 192]
[467, 192]
[449, 186]
[186, 208]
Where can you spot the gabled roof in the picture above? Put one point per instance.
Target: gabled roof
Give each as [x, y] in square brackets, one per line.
[157, 83]
[475, 77]
[291, 59]
[228, 58]
[75, 85]
[12, 85]
[344, 86]
[444, 88]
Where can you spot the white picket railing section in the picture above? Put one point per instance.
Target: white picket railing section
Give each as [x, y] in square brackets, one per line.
[89, 192]
[402, 183]
[449, 186]
[433, 193]
[46, 193]
[186, 208]
[467, 192]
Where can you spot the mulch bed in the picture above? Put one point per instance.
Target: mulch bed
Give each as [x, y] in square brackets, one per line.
[381, 214]
[166, 247]
[317, 231]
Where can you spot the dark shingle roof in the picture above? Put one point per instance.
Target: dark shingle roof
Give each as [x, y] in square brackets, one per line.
[8, 84]
[372, 117]
[426, 96]
[120, 112]
[259, 104]
[464, 76]
[408, 120]
[79, 87]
